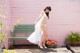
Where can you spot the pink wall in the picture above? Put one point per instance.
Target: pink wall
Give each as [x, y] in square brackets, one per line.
[64, 17]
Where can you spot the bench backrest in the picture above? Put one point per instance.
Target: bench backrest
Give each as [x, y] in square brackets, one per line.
[24, 28]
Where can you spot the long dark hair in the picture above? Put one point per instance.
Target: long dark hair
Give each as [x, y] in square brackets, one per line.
[49, 8]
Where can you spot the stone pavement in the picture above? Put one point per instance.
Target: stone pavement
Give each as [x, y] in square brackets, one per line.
[49, 50]
[36, 49]
[76, 49]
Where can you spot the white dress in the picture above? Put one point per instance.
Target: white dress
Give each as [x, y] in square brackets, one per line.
[36, 36]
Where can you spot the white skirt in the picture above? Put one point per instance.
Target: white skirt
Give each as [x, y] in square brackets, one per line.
[36, 36]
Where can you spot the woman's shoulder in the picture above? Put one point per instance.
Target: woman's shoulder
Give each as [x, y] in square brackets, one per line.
[42, 12]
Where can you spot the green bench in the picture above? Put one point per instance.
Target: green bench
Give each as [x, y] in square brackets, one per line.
[22, 28]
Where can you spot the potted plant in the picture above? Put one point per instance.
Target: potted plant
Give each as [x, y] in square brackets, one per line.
[1, 41]
[73, 39]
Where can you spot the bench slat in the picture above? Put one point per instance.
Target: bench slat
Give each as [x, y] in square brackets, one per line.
[19, 38]
[23, 31]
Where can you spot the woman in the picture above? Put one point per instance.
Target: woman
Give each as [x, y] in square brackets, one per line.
[39, 36]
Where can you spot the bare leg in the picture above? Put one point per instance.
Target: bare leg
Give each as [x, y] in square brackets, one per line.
[44, 39]
[44, 36]
[40, 45]
[44, 44]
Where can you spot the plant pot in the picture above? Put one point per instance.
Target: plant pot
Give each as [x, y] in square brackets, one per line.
[75, 43]
[51, 45]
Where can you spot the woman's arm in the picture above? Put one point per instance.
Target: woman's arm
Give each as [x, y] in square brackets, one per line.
[39, 17]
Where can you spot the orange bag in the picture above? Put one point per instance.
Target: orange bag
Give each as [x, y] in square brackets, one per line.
[51, 42]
